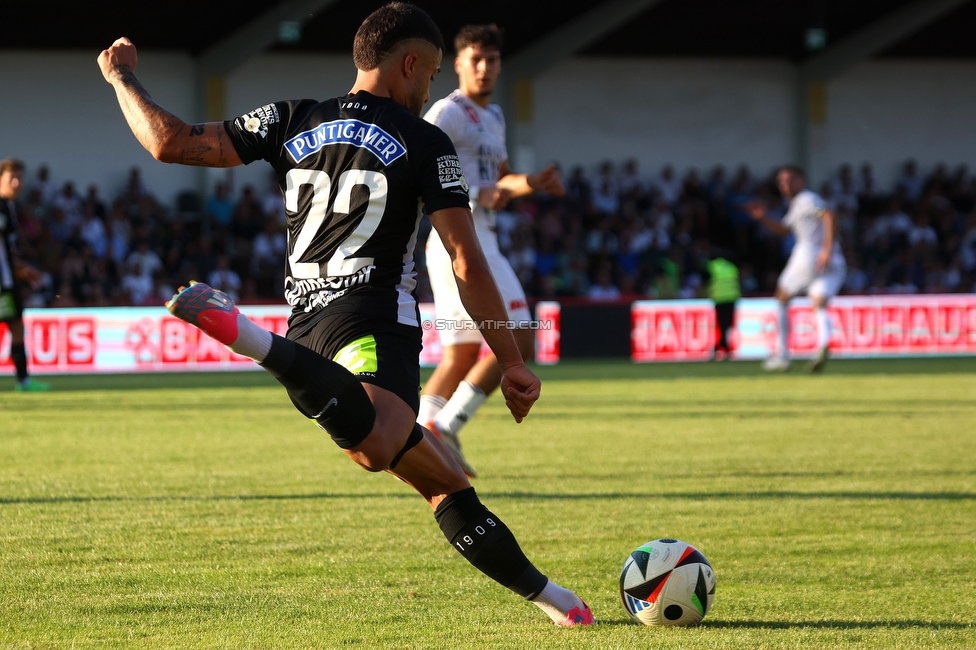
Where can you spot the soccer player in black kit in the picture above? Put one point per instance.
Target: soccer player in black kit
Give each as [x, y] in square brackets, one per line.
[13, 271]
[354, 171]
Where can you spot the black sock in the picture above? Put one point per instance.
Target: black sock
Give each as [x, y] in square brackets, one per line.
[322, 389]
[18, 354]
[487, 543]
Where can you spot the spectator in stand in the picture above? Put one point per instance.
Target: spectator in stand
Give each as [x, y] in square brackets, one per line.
[578, 189]
[69, 203]
[220, 207]
[225, 278]
[630, 181]
[93, 231]
[44, 186]
[267, 252]
[604, 290]
[135, 191]
[667, 186]
[922, 234]
[967, 250]
[118, 232]
[866, 186]
[606, 198]
[546, 260]
[201, 258]
[136, 285]
[94, 202]
[145, 259]
[273, 203]
[738, 196]
[522, 255]
[910, 183]
[248, 222]
[59, 226]
[843, 191]
[162, 291]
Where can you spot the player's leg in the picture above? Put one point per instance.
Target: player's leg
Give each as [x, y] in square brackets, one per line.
[822, 318]
[796, 277]
[457, 359]
[780, 361]
[478, 534]
[376, 428]
[459, 337]
[320, 388]
[821, 291]
[724, 319]
[484, 377]
[18, 354]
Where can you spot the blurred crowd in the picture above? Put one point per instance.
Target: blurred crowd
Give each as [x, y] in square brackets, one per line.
[616, 235]
[134, 250]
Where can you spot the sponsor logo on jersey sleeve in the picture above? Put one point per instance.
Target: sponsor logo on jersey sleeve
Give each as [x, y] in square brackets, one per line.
[449, 173]
[258, 120]
[352, 132]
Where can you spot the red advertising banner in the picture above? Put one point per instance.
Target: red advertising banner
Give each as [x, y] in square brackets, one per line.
[861, 326]
[672, 330]
[149, 339]
[547, 336]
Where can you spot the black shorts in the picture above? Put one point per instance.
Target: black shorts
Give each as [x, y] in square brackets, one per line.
[378, 351]
[11, 304]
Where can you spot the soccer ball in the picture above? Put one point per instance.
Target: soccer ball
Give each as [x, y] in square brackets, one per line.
[667, 582]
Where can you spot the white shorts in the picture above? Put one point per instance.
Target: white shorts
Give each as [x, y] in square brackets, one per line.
[801, 276]
[456, 326]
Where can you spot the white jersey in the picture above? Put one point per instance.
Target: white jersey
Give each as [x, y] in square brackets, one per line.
[478, 135]
[805, 219]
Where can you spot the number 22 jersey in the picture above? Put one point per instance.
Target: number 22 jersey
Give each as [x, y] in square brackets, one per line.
[355, 171]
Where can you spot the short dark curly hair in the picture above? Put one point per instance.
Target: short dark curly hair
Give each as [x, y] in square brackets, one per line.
[12, 165]
[389, 26]
[483, 35]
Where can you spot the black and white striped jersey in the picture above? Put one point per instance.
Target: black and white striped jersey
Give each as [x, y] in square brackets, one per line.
[8, 243]
[354, 171]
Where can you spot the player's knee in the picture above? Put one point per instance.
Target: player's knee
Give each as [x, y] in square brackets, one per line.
[379, 452]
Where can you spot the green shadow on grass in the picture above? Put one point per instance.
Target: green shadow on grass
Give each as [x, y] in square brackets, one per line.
[745, 496]
[819, 625]
[842, 625]
[569, 370]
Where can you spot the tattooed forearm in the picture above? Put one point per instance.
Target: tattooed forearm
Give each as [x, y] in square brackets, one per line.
[150, 122]
[168, 138]
[220, 144]
[196, 156]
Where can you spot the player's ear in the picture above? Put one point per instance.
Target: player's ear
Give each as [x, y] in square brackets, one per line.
[410, 62]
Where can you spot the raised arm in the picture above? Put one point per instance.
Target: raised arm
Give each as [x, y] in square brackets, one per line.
[757, 210]
[168, 138]
[548, 180]
[484, 304]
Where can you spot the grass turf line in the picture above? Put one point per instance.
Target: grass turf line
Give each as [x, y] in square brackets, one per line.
[203, 511]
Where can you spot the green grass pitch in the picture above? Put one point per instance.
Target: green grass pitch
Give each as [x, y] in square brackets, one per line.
[202, 511]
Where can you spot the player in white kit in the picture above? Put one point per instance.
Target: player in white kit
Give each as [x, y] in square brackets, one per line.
[461, 382]
[816, 265]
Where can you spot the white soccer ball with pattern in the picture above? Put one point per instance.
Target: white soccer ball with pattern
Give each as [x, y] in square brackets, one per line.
[667, 582]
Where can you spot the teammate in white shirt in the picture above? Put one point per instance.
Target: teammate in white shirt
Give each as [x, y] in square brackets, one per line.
[461, 382]
[816, 265]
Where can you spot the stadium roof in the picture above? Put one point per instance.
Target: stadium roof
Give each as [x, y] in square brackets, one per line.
[713, 28]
